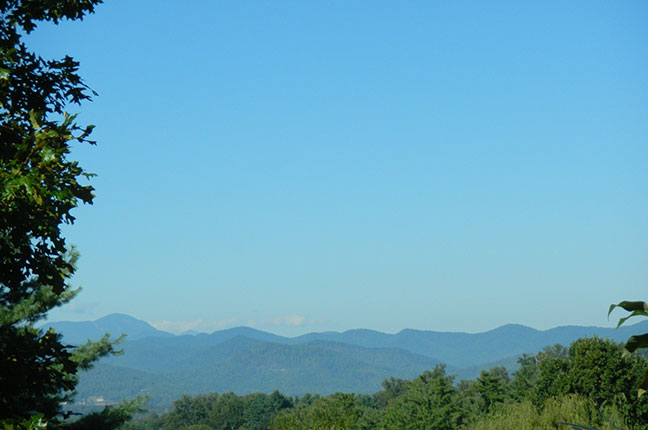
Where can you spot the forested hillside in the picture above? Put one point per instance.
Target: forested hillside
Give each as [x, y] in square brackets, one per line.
[590, 383]
[244, 360]
[245, 366]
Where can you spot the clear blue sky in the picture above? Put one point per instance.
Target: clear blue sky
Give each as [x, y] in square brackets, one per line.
[328, 165]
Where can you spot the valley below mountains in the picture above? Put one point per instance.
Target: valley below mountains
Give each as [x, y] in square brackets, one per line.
[245, 360]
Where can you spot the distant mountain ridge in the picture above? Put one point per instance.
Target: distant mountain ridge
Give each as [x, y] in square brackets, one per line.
[78, 332]
[460, 350]
[244, 359]
[465, 349]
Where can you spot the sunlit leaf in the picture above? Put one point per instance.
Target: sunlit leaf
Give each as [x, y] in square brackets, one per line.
[33, 120]
[643, 386]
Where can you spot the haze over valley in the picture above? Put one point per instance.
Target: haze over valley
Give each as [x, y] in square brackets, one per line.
[245, 360]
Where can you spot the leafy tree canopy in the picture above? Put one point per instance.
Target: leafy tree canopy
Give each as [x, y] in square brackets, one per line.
[431, 402]
[39, 187]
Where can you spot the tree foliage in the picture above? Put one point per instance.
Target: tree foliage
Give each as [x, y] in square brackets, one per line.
[493, 387]
[338, 411]
[591, 383]
[431, 402]
[214, 411]
[39, 187]
[597, 369]
[565, 408]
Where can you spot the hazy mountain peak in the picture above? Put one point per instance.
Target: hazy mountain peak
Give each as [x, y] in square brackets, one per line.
[117, 315]
[119, 318]
[249, 332]
[78, 332]
[240, 329]
[512, 327]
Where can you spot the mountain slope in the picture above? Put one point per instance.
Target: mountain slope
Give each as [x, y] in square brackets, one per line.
[162, 356]
[245, 365]
[467, 350]
[316, 367]
[77, 333]
[115, 383]
[245, 360]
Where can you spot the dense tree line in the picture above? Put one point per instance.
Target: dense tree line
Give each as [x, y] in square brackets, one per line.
[590, 383]
[224, 411]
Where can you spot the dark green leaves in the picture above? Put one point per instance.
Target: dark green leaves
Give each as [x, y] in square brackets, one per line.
[39, 188]
[636, 342]
[636, 308]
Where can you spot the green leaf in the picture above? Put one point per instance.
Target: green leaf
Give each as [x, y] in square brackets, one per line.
[630, 306]
[48, 155]
[634, 314]
[33, 119]
[636, 342]
[643, 386]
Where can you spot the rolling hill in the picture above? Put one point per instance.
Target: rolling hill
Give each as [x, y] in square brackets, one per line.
[78, 332]
[245, 360]
[244, 365]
